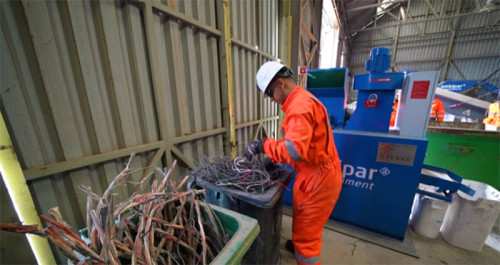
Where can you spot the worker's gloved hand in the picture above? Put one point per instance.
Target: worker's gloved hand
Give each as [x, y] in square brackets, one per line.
[254, 148]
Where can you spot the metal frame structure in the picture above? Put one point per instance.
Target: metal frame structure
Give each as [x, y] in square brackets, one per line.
[459, 38]
[309, 24]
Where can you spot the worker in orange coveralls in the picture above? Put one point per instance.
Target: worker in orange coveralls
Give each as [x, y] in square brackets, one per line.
[395, 107]
[437, 110]
[307, 144]
[493, 116]
[393, 114]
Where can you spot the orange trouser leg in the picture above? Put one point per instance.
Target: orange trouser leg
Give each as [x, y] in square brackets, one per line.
[315, 193]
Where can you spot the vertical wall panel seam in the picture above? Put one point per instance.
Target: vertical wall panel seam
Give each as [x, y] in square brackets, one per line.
[158, 92]
[76, 200]
[80, 87]
[142, 136]
[107, 75]
[56, 145]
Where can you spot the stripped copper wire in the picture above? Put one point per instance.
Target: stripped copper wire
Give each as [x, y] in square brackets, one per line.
[163, 226]
[254, 176]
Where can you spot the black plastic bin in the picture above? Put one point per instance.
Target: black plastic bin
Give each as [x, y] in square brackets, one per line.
[266, 207]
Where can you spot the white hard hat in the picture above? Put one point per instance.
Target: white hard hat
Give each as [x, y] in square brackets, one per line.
[397, 95]
[266, 73]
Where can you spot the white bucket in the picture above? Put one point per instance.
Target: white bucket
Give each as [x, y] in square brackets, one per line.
[469, 220]
[427, 215]
[489, 127]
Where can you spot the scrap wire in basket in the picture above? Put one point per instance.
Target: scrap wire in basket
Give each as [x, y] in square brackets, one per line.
[238, 173]
[164, 226]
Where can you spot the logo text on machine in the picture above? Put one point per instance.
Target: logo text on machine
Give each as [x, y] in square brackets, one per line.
[361, 177]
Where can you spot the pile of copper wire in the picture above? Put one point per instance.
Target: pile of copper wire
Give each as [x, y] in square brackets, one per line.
[255, 176]
[163, 226]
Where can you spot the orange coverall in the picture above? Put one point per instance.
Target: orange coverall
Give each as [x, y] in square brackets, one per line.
[393, 114]
[437, 110]
[493, 117]
[307, 144]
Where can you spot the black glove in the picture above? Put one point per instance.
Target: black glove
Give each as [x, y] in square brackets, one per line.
[254, 148]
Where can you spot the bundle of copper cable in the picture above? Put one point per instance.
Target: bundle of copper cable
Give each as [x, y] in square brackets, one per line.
[254, 176]
[164, 226]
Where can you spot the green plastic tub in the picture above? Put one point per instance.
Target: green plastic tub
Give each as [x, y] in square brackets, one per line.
[472, 154]
[242, 229]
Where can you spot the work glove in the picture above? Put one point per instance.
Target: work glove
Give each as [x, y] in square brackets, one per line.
[254, 148]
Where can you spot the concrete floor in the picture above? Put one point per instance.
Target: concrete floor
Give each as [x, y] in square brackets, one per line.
[342, 249]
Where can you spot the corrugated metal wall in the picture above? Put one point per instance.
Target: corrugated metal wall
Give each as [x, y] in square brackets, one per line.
[245, 62]
[85, 83]
[247, 17]
[475, 45]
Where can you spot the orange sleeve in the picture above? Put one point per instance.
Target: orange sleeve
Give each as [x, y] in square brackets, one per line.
[490, 115]
[294, 146]
[441, 112]
[488, 120]
[393, 119]
[440, 106]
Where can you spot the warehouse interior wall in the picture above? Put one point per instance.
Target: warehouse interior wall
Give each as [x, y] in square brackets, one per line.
[86, 83]
[455, 38]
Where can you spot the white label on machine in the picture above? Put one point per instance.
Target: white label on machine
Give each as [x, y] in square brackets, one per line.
[399, 154]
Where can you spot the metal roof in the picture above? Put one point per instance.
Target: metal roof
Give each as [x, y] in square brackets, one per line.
[358, 14]
[460, 39]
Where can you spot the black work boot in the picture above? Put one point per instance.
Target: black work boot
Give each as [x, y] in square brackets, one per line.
[289, 246]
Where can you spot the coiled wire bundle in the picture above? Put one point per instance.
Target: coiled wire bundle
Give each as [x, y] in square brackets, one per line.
[254, 176]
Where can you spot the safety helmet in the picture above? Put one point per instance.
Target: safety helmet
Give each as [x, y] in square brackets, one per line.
[397, 95]
[266, 74]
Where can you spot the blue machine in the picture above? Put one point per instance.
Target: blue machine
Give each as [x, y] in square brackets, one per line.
[375, 94]
[329, 84]
[381, 174]
[382, 167]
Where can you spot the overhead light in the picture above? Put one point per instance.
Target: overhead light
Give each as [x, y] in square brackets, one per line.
[489, 6]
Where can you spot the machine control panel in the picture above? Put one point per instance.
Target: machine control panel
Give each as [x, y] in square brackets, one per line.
[399, 154]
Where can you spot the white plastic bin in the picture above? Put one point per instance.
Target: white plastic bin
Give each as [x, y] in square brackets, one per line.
[469, 220]
[489, 127]
[427, 215]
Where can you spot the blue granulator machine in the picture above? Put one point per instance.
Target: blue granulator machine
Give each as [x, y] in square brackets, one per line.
[382, 166]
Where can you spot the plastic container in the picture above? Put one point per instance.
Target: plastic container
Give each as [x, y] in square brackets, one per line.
[265, 207]
[242, 229]
[489, 127]
[469, 220]
[427, 215]
[472, 154]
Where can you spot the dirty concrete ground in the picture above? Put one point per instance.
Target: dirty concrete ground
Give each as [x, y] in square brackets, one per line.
[342, 249]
